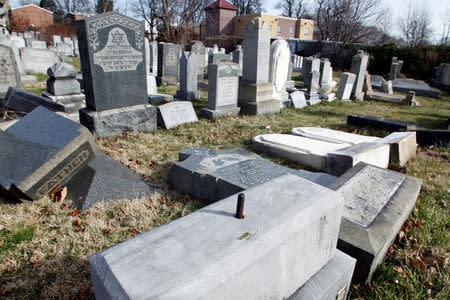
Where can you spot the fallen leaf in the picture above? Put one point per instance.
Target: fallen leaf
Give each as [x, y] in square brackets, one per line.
[75, 212]
[398, 270]
[38, 264]
[187, 197]
[417, 263]
[76, 222]
[63, 288]
[82, 294]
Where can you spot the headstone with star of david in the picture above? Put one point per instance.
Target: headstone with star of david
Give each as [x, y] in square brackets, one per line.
[112, 54]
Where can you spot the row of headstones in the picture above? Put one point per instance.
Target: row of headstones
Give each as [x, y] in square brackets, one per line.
[67, 46]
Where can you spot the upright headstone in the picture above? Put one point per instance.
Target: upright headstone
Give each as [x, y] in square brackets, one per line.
[38, 60]
[113, 64]
[151, 80]
[312, 87]
[76, 50]
[199, 49]
[223, 83]
[9, 72]
[394, 70]
[280, 56]
[290, 84]
[255, 90]
[325, 66]
[18, 41]
[168, 63]
[215, 48]
[310, 64]
[238, 56]
[39, 45]
[188, 77]
[386, 87]
[64, 49]
[56, 39]
[359, 68]
[346, 86]
[154, 58]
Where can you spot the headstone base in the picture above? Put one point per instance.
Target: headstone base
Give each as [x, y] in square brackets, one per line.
[70, 103]
[285, 101]
[166, 80]
[358, 97]
[329, 98]
[312, 99]
[271, 106]
[116, 121]
[159, 98]
[187, 96]
[219, 112]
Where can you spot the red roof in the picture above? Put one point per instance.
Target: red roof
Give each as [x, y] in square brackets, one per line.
[222, 4]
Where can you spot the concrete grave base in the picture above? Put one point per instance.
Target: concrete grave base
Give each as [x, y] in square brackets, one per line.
[377, 202]
[391, 98]
[331, 282]
[71, 103]
[220, 112]
[288, 233]
[256, 99]
[271, 106]
[117, 121]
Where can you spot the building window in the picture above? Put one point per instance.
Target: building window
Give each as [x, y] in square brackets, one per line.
[291, 31]
[306, 31]
[279, 29]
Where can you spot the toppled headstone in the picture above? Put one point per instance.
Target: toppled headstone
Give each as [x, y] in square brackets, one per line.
[376, 81]
[40, 152]
[333, 136]
[114, 74]
[159, 98]
[176, 113]
[255, 90]
[214, 175]
[329, 157]
[24, 102]
[346, 86]
[168, 63]
[64, 88]
[105, 179]
[380, 123]
[210, 254]
[408, 99]
[376, 204]
[9, 72]
[188, 77]
[421, 88]
[223, 83]
[298, 99]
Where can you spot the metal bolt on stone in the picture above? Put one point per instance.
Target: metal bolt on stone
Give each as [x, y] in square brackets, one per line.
[240, 206]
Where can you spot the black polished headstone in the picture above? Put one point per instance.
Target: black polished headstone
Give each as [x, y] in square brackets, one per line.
[380, 123]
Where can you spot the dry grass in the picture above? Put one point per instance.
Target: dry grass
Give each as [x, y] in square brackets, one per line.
[44, 245]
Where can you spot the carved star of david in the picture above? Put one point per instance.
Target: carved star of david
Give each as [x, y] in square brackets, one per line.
[117, 37]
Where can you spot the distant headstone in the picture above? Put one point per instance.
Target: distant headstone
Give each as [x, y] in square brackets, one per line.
[199, 49]
[39, 45]
[214, 175]
[151, 80]
[377, 203]
[394, 70]
[312, 87]
[346, 86]
[381, 123]
[325, 66]
[168, 63]
[154, 58]
[279, 67]
[238, 56]
[18, 41]
[38, 60]
[56, 39]
[223, 83]
[188, 77]
[359, 67]
[42, 151]
[298, 99]
[64, 49]
[176, 113]
[216, 57]
[441, 77]
[255, 90]
[9, 72]
[113, 64]
[386, 87]
[310, 64]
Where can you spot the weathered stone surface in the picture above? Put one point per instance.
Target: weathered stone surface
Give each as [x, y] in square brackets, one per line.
[409, 99]
[60, 87]
[279, 68]
[9, 72]
[199, 49]
[154, 58]
[38, 60]
[421, 88]
[117, 121]
[376, 204]
[441, 78]
[256, 99]
[325, 68]
[331, 282]
[386, 87]
[24, 102]
[209, 254]
[39, 45]
[188, 77]
[62, 71]
[41, 151]
[176, 113]
[298, 99]
[214, 175]
[223, 83]
[312, 86]
[310, 64]
[68, 103]
[359, 67]
[105, 179]
[333, 136]
[380, 123]
[56, 39]
[403, 147]
[168, 63]
[376, 81]
[113, 61]
[238, 57]
[159, 98]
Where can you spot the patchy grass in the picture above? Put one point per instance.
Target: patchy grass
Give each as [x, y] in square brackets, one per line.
[45, 245]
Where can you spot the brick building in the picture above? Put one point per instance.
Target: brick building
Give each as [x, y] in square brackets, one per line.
[219, 27]
[37, 17]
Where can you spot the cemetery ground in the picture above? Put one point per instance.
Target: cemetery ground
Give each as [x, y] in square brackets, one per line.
[44, 244]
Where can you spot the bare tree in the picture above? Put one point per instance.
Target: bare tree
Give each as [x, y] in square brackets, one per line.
[248, 7]
[27, 2]
[293, 8]
[445, 37]
[416, 26]
[150, 11]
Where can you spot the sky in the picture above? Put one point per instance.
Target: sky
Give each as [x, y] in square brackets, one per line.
[398, 7]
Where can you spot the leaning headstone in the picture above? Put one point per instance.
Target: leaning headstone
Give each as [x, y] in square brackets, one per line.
[238, 56]
[247, 258]
[188, 77]
[198, 48]
[279, 68]
[359, 67]
[39, 45]
[255, 90]
[113, 64]
[9, 72]
[377, 203]
[9, 42]
[346, 86]
[298, 99]
[38, 60]
[214, 175]
[312, 88]
[176, 113]
[223, 84]
[24, 102]
[400, 65]
[64, 88]
[168, 63]
[42, 151]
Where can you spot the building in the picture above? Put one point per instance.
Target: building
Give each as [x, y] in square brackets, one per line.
[37, 17]
[71, 17]
[225, 28]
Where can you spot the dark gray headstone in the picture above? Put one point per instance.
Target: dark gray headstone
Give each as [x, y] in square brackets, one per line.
[176, 113]
[9, 72]
[41, 151]
[188, 77]
[168, 63]
[214, 175]
[421, 88]
[112, 60]
[62, 71]
[238, 55]
[24, 102]
[380, 123]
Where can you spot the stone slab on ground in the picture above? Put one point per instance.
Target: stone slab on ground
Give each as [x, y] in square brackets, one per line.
[114, 122]
[24, 102]
[105, 179]
[176, 113]
[210, 254]
[159, 98]
[332, 136]
[331, 282]
[403, 147]
[375, 122]
[421, 88]
[429, 137]
[391, 98]
[41, 151]
[214, 175]
[376, 204]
